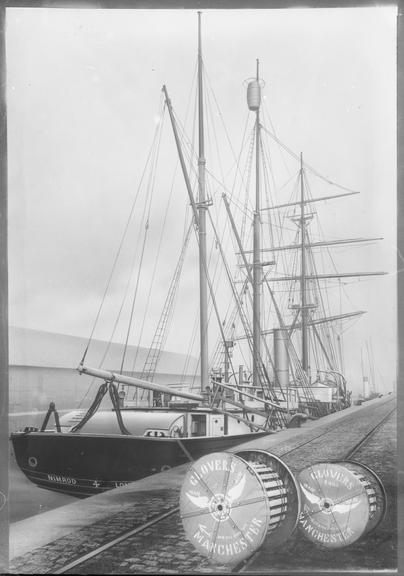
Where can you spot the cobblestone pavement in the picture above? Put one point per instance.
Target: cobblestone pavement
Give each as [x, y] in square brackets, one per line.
[376, 550]
[163, 547]
[336, 442]
[58, 553]
[330, 441]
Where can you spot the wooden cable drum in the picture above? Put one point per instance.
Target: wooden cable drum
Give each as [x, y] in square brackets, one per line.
[341, 501]
[230, 503]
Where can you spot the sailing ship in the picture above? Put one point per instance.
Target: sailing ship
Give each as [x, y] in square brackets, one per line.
[369, 390]
[90, 451]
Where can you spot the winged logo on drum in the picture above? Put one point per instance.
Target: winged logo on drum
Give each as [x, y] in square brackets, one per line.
[199, 501]
[232, 495]
[310, 496]
[235, 492]
[341, 507]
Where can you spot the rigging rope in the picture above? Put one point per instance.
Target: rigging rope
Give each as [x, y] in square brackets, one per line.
[160, 335]
[266, 113]
[135, 295]
[119, 248]
[156, 261]
[313, 170]
[215, 277]
[147, 208]
[262, 375]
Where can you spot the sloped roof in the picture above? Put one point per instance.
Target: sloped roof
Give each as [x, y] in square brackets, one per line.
[29, 347]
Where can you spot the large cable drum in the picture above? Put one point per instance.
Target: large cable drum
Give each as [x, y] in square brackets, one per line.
[341, 501]
[230, 503]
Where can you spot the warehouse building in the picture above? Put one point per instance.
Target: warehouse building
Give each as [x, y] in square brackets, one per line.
[43, 368]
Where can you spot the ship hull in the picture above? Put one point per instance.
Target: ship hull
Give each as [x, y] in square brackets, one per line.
[86, 464]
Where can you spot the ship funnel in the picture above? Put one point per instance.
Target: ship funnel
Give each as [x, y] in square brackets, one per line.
[281, 360]
[254, 95]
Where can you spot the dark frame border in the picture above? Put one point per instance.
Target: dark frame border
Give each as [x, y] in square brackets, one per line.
[192, 4]
[4, 450]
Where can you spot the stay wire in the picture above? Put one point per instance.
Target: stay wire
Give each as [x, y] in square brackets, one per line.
[267, 114]
[235, 157]
[146, 229]
[313, 170]
[119, 247]
[156, 261]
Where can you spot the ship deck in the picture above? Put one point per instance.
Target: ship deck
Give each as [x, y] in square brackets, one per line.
[77, 538]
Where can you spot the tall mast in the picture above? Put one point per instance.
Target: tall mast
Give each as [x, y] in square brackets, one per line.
[202, 224]
[303, 293]
[254, 100]
[363, 375]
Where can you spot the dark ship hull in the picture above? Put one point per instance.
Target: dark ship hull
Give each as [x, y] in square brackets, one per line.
[85, 464]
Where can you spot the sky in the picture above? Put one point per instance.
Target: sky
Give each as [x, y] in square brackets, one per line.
[84, 103]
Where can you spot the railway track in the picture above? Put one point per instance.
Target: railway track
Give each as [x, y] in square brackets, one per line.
[353, 450]
[295, 454]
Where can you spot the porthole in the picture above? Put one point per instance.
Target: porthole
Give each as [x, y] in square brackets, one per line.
[32, 461]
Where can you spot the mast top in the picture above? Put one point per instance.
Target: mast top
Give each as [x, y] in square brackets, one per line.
[199, 35]
[254, 86]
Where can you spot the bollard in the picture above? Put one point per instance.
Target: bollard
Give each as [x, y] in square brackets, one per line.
[341, 501]
[231, 503]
